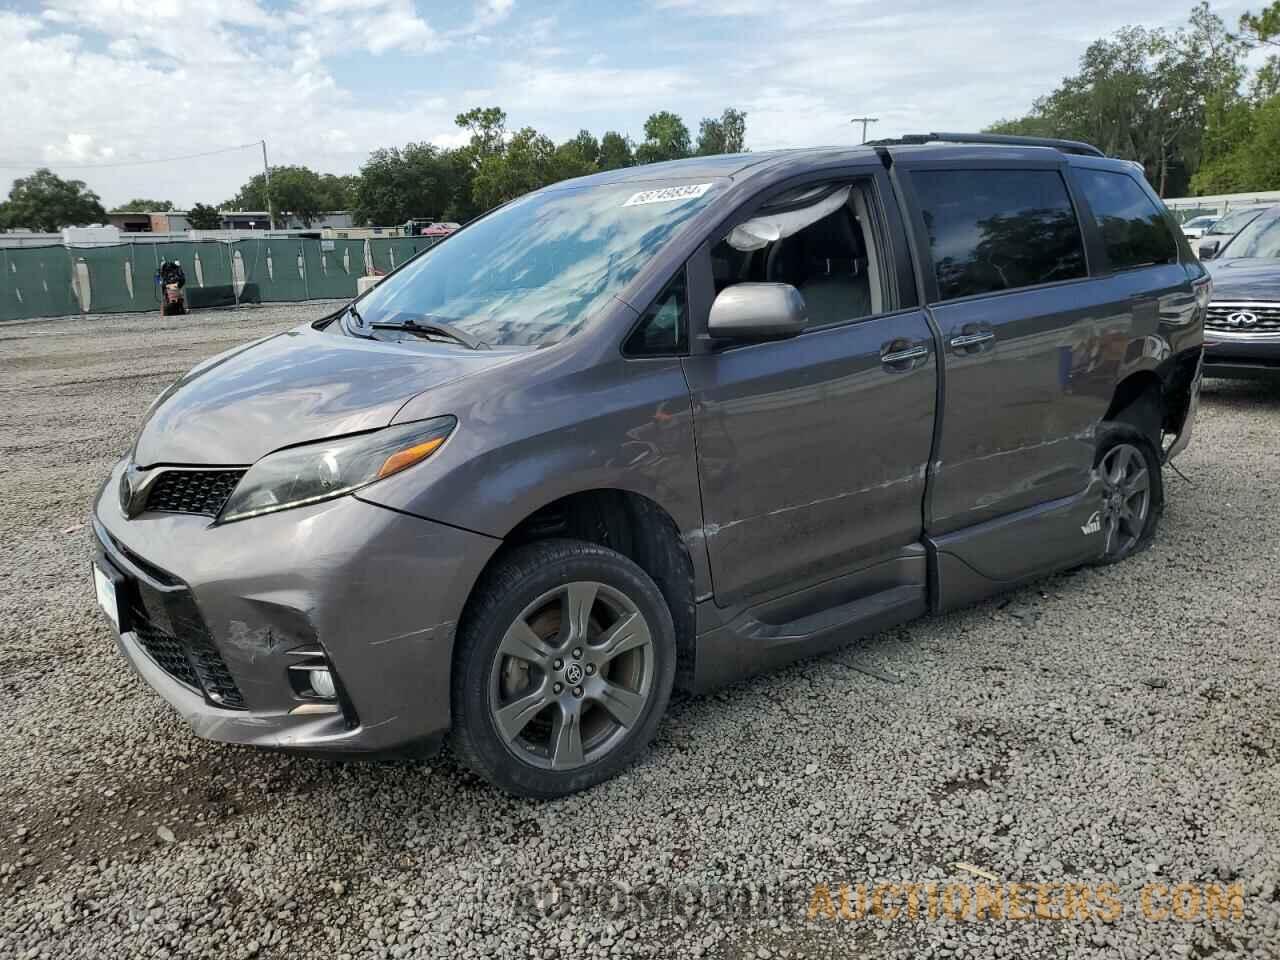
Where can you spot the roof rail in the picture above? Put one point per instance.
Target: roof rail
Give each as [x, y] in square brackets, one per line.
[996, 139]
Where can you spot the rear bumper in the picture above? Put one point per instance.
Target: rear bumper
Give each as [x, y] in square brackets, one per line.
[1241, 355]
[379, 592]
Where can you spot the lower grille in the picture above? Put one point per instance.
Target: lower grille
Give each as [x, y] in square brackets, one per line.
[172, 632]
[1243, 317]
[192, 491]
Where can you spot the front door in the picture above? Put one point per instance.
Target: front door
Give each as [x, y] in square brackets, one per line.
[812, 450]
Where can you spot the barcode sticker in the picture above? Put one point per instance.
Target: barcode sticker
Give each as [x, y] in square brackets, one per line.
[689, 191]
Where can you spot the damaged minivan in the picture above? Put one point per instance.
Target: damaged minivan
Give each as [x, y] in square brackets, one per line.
[669, 424]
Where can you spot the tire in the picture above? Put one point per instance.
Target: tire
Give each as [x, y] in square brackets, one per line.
[563, 667]
[1127, 460]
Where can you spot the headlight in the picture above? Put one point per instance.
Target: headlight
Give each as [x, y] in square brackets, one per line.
[313, 472]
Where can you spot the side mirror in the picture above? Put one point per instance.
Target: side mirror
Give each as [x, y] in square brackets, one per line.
[1208, 249]
[757, 311]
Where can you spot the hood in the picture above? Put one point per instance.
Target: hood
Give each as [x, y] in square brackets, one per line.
[292, 388]
[1245, 279]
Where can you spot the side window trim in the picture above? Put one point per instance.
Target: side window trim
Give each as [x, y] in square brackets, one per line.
[920, 233]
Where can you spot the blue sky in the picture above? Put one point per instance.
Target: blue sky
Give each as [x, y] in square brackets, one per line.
[93, 84]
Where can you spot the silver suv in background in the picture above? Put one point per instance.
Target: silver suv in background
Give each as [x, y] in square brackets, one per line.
[668, 424]
[1219, 233]
[1242, 327]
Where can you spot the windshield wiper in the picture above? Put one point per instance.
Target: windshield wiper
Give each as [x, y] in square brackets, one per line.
[354, 314]
[434, 328]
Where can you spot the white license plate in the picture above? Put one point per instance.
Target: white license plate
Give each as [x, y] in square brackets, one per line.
[106, 595]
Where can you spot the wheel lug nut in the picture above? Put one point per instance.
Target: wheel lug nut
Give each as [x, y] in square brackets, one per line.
[577, 691]
[559, 664]
[577, 653]
[558, 687]
[591, 669]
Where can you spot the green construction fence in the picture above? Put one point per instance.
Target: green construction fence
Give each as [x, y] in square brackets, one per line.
[58, 281]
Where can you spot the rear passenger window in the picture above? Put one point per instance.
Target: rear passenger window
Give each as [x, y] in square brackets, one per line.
[663, 330]
[995, 230]
[1134, 230]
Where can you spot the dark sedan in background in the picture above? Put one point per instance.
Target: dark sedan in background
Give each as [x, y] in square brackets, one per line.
[1242, 328]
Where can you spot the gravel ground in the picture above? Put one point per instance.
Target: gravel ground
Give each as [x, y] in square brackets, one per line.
[1116, 725]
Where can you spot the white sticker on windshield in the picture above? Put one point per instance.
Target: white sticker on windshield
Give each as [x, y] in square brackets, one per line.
[689, 191]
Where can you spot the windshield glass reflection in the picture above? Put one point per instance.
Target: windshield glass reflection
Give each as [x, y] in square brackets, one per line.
[537, 270]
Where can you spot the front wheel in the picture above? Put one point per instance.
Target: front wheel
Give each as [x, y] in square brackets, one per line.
[565, 662]
[1132, 490]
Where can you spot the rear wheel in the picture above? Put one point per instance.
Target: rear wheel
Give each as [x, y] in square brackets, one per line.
[564, 667]
[1132, 490]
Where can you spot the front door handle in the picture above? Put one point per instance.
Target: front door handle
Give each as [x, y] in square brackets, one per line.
[919, 351]
[967, 340]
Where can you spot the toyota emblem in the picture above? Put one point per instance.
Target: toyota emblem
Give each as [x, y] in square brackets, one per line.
[1242, 318]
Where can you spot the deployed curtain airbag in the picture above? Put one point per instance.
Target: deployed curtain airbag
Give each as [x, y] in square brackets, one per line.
[760, 231]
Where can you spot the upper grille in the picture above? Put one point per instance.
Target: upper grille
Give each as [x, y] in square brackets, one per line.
[192, 491]
[1266, 317]
[173, 633]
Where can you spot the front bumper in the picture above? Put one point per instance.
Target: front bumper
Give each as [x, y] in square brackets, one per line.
[379, 592]
[1241, 355]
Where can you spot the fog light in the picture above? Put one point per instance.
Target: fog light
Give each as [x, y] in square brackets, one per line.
[322, 684]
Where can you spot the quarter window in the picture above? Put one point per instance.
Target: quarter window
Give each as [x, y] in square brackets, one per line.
[1134, 231]
[993, 230]
[664, 329]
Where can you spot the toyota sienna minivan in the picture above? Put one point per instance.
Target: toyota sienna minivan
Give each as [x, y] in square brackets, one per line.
[667, 424]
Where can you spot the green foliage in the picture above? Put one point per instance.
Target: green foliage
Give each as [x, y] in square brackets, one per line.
[526, 163]
[46, 203]
[616, 151]
[201, 216]
[665, 138]
[503, 166]
[724, 134]
[418, 181]
[1148, 95]
[140, 205]
[297, 191]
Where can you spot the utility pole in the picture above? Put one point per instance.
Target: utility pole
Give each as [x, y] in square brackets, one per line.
[266, 170]
[864, 121]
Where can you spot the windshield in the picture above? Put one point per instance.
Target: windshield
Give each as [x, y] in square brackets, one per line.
[537, 270]
[1259, 239]
[1233, 222]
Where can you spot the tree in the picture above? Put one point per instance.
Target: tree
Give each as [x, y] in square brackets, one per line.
[46, 203]
[1145, 95]
[298, 191]
[488, 128]
[577, 157]
[140, 205]
[417, 181]
[615, 151]
[204, 217]
[665, 138]
[339, 192]
[725, 134]
[527, 163]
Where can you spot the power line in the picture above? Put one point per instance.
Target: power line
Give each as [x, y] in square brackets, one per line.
[123, 163]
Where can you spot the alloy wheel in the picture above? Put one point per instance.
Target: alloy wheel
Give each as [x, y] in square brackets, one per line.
[1126, 498]
[572, 675]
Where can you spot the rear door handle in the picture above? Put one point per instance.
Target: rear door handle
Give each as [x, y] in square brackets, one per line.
[966, 340]
[919, 351]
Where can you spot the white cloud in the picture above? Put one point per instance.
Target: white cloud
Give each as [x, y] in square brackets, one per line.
[325, 81]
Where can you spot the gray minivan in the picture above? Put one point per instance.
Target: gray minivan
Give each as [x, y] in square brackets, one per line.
[667, 424]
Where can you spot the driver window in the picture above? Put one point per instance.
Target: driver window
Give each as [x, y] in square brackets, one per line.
[817, 238]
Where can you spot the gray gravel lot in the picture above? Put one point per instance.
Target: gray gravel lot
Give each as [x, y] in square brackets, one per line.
[1116, 725]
